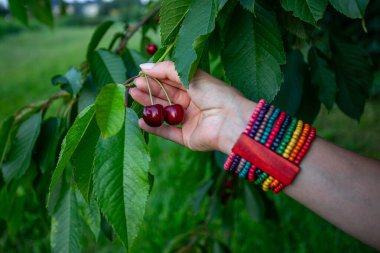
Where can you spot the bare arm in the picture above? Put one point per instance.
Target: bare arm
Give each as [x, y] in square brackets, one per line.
[342, 187]
[339, 185]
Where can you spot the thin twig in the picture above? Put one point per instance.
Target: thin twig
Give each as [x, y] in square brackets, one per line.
[127, 83]
[129, 34]
[40, 105]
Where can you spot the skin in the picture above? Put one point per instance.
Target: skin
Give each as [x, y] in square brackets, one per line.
[339, 185]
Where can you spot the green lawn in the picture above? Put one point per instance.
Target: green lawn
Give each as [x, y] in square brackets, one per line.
[30, 59]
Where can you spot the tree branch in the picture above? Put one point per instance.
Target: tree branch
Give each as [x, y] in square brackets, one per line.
[19, 114]
[129, 34]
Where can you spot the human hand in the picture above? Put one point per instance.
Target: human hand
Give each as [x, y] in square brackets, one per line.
[215, 113]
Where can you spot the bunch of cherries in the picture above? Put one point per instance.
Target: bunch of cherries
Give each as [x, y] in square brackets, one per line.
[154, 115]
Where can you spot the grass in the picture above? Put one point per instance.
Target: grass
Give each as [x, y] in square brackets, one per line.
[30, 59]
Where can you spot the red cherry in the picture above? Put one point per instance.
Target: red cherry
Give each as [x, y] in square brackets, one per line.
[153, 115]
[174, 114]
[151, 48]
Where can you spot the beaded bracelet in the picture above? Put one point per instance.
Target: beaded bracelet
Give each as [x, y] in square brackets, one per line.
[274, 140]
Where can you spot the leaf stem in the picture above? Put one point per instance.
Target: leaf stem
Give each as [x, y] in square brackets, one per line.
[150, 92]
[166, 52]
[162, 87]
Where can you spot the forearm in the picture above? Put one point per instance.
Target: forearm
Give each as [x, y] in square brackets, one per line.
[339, 185]
[342, 187]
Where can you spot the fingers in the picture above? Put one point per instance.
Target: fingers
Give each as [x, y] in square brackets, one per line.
[144, 98]
[168, 132]
[162, 70]
[176, 95]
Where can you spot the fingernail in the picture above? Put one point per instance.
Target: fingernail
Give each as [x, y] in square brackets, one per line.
[147, 66]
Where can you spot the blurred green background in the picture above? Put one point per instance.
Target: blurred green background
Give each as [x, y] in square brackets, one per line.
[31, 56]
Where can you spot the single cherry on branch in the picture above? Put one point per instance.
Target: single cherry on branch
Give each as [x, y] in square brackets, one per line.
[151, 48]
[173, 113]
[153, 114]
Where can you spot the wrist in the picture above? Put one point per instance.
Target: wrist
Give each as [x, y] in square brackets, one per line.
[236, 121]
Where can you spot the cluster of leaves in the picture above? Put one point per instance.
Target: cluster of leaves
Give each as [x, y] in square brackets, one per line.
[101, 173]
[292, 52]
[298, 54]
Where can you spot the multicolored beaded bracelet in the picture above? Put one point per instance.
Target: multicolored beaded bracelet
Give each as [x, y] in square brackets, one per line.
[270, 149]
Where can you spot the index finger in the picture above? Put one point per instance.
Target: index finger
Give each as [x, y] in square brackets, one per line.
[163, 71]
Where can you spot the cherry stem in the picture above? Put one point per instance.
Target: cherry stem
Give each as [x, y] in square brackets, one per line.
[150, 92]
[162, 87]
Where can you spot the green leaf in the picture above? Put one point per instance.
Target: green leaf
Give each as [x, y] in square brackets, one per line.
[97, 37]
[157, 55]
[48, 143]
[130, 64]
[19, 157]
[110, 109]
[90, 214]
[350, 8]
[172, 14]
[322, 43]
[42, 11]
[138, 108]
[200, 195]
[73, 77]
[107, 67]
[353, 70]
[294, 26]
[55, 195]
[18, 10]
[83, 157]
[87, 94]
[310, 104]
[106, 228]
[138, 57]
[121, 182]
[289, 97]
[375, 89]
[66, 225]
[323, 78]
[70, 82]
[253, 53]
[197, 26]
[224, 20]
[249, 5]
[6, 137]
[254, 203]
[309, 11]
[204, 62]
[71, 142]
[221, 3]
